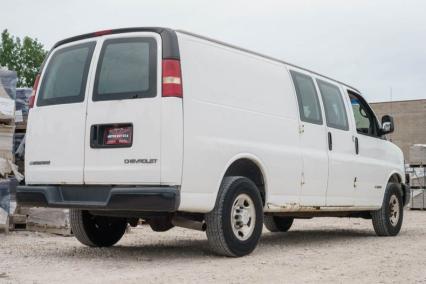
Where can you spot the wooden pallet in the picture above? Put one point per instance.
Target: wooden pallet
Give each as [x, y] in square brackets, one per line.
[21, 128]
[17, 222]
[63, 231]
[4, 222]
[49, 220]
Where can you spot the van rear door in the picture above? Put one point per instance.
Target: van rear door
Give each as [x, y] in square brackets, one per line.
[56, 124]
[123, 127]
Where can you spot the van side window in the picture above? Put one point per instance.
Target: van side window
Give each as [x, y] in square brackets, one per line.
[64, 80]
[127, 69]
[334, 107]
[364, 117]
[309, 107]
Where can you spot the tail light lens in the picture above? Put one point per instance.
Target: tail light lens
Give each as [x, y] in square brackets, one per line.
[31, 99]
[172, 78]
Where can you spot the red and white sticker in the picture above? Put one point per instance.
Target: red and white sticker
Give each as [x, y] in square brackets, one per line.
[118, 136]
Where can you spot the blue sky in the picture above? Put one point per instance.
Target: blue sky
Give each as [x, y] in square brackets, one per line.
[373, 45]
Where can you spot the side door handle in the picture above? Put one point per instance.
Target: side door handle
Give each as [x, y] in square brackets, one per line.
[94, 135]
[356, 146]
[330, 141]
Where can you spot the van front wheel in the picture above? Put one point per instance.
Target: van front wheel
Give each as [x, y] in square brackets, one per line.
[235, 224]
[388, 220]
[96, 231]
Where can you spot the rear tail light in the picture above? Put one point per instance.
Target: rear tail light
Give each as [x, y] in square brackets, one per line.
[31, 99]
[172, 78]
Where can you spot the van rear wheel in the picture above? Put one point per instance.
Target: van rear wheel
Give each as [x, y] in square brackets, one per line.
[96, 231]
[235, 224]
[277, 224]
[388, 220]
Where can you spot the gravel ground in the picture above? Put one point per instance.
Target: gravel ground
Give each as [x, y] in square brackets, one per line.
[322, 249]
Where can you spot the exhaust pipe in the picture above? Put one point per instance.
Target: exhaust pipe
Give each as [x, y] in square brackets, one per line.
[188, 224]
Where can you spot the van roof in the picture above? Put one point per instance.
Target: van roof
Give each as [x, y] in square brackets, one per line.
[171, 49]
[264, 56]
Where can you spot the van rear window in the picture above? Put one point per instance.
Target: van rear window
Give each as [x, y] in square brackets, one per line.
[64, 80]
[127, 69]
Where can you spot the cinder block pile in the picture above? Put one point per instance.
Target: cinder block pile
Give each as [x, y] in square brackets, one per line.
[21, 118]
[13, 124]
[417, 173]
[8, 81]
[8, 170]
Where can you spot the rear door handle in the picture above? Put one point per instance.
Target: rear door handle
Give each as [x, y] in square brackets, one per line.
[330, 141]
[94, 134]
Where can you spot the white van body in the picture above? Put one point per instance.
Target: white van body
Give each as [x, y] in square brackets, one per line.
[238, 113]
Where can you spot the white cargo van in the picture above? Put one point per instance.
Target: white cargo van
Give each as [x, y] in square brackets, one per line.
[183, 130]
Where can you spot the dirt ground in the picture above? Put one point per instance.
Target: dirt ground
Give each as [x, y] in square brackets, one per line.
[322, 249]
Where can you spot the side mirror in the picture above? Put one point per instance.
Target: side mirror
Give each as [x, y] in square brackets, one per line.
[387, 125]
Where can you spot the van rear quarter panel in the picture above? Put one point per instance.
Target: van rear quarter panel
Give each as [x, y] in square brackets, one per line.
[236, 105]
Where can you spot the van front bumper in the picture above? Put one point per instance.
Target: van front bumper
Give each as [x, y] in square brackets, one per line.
[126, 198]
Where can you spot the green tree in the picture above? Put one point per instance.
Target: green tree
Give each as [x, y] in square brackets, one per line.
[25, 57]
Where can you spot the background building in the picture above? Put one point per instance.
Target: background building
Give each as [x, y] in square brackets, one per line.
[410, 122]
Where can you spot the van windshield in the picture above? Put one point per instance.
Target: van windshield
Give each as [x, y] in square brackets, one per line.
[64, 80]
[127, 68]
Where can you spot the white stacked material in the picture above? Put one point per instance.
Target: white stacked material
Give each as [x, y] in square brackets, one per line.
[417, 176]
[418, 199]
[7, 203]
[418, 154]
[6, 141]
[8, 81]
[418, 186]
[6, 149]
[50, 220]
[4, 221]
[417, 182]
[7, 108]
[21, 105]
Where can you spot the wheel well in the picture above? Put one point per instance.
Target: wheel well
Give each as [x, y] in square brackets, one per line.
[395, 178]
[249, 169]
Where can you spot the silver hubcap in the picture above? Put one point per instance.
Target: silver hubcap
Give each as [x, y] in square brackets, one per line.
[394, 210]
[243, 217]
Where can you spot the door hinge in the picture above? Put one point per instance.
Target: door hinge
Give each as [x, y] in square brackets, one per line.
[301, 128]
[302, 181]
[355, 180]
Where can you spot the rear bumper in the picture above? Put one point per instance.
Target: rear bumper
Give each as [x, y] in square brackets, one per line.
[127, 198]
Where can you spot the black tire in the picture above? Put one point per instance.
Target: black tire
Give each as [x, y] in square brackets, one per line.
[385, 221]
[277, 224]
[96, 231]
[220, 229]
